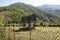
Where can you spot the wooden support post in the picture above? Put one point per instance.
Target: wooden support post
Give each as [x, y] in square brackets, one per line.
[9, 34]
[29, 29]
[30, 34]
[4, 34]
[14, 32]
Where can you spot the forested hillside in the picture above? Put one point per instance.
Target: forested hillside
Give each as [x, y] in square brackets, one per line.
[14, 12]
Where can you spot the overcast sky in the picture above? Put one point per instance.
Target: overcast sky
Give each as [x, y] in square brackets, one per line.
[32, 2]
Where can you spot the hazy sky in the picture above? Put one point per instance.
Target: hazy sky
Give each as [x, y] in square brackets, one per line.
[32, 2]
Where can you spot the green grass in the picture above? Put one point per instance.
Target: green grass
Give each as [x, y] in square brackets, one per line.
[40, 33]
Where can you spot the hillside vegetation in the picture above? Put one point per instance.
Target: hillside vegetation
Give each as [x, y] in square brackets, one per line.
[14, 12]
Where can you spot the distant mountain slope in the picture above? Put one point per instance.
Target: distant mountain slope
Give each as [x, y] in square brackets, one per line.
[54, 9]
[15, 11]
[50, 8]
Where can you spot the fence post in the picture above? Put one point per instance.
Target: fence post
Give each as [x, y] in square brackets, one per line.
[29, 29]
[30, 33]
[14, 32]
[9, 34]
[4, 34]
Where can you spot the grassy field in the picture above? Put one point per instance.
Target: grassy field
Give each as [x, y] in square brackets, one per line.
[40, 33]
